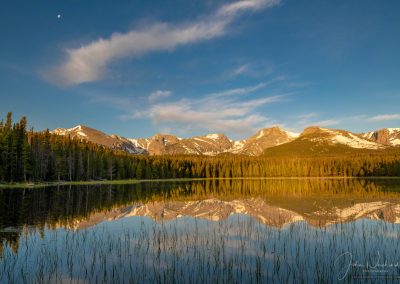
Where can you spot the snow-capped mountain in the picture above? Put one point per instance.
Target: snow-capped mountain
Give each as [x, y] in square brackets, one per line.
[315, 141]
[161, 144]
[98, 137]
[386, 136]
[312, 140]
[214, 144]
[336, 136]
[211, 144]
[155, 145]
[265, 138]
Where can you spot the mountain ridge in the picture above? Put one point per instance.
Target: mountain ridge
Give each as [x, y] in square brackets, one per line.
[313, 139]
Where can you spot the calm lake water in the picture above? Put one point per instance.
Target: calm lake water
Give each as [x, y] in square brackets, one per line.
[225, 231]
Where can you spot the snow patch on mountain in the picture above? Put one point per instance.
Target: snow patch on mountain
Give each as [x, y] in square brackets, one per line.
[368, 135]
[190, 150]
[335, 136]
[386, 136]
[237, 146]
[393, 130]
[355, 142]
[395, 142]
[213, 136]
[202, 140]
[293, 134]
[81, 134]
[261, 134]
[134, 141]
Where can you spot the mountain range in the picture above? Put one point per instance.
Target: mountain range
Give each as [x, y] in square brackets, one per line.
[272, 141]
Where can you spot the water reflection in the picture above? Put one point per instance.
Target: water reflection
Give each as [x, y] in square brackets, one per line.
[268, 214]
[200, 231]
[320, 202]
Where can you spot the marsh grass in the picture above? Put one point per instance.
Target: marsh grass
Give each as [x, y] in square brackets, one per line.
[187, 250]
[58, 183]
[135, 181]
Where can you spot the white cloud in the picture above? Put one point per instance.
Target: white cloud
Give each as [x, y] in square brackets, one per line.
[252, 69]
[89, 62]
[225, 112]
[159, 94]
[385, 117]
[308, 115]
[327, 122]
[230, 10]
[243, 69]
[312, 119]
[306, 118]
[238, 91]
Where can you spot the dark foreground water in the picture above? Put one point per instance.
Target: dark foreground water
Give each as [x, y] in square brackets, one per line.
[229, 231]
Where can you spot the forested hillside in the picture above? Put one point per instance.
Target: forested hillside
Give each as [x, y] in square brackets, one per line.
[42, 156]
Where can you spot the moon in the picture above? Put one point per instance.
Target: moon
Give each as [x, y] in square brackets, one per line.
[58, 16]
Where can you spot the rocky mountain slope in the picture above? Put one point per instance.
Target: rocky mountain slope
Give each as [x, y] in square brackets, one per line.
[386, 136]
[336, 136]
[211, 144]
[98, 137]
[155, 145]
[265, 138]
[319, 141]
[313, 140]
[214, 144]
[161, 144]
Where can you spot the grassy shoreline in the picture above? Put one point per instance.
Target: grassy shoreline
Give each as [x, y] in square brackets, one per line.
[55, 183]
[135, 181]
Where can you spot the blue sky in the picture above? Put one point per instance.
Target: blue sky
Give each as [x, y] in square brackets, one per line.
[135, 68]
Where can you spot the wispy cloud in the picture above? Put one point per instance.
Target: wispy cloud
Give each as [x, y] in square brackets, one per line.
[225, 112]
[326, 122]
[239, 91]
[251, 69]
[243, 69]
[385, 117]
[304, 119]
[159, 94]
[313, 119]
[89, 62]
[307, 116]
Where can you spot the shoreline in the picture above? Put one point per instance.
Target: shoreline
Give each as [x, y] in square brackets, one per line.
[136, 181]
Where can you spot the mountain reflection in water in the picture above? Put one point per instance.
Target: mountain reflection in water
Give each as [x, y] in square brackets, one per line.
[239, 219]
[272, 202]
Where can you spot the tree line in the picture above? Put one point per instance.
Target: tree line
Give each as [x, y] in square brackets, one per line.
[43, 156]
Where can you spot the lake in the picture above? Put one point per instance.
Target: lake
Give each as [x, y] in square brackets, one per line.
[203, 231]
